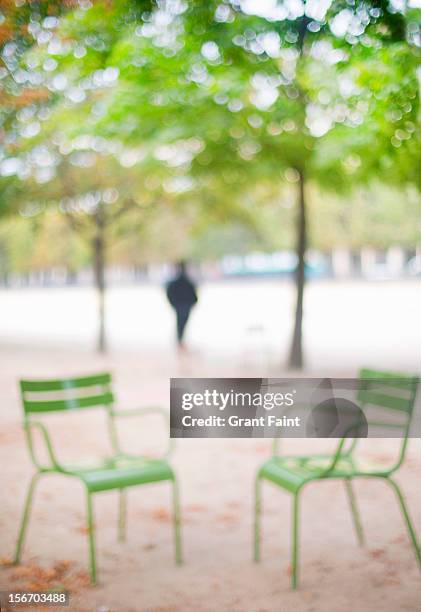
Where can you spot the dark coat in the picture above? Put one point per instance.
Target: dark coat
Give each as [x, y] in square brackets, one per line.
[181, 293]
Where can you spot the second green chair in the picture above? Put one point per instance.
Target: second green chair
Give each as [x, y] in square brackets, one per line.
[293, 473]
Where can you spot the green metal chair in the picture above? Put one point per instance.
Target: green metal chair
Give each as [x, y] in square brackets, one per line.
[117, 472]
[292, 473]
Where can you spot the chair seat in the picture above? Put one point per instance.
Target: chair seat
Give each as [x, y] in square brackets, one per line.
[292, 473]
[121, 472]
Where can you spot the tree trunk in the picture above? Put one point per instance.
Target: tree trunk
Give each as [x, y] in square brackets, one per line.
[296, 353]
[98, 245]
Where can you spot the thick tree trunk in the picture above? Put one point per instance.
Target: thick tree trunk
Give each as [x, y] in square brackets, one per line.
[98, 245]
[296, 354]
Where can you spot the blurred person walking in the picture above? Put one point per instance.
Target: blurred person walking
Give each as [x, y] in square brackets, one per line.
[181, 294]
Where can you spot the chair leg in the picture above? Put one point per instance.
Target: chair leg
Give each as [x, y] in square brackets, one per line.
[257, 516]
[295, 541]
[177, 523]
[25, 517]
[407, 518]
[122, 515]
[91, 537]
[354, 511]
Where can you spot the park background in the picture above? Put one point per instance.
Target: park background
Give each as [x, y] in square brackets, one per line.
[274, 145]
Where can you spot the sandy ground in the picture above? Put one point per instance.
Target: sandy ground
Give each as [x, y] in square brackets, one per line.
[216, 479]
[346, 324]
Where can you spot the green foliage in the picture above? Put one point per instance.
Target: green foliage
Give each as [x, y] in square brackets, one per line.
[40, 242]
[199, 115]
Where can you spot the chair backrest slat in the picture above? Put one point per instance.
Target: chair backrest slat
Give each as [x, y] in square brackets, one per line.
[376, 398]
[70, 403]
[66, 394]
[61, 384]
[388, 390]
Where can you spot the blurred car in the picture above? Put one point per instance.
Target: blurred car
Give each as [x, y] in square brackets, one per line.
[265, 264]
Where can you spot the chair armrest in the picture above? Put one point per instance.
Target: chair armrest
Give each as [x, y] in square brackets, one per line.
[146, 411]
[29, 425]
[338, 453]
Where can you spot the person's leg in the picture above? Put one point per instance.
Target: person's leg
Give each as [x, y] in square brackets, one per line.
[179, 326]
[182, 318]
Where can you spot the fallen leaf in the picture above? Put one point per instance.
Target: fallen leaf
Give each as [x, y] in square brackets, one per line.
[161, 514]
[377, 553]
[6, 561]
